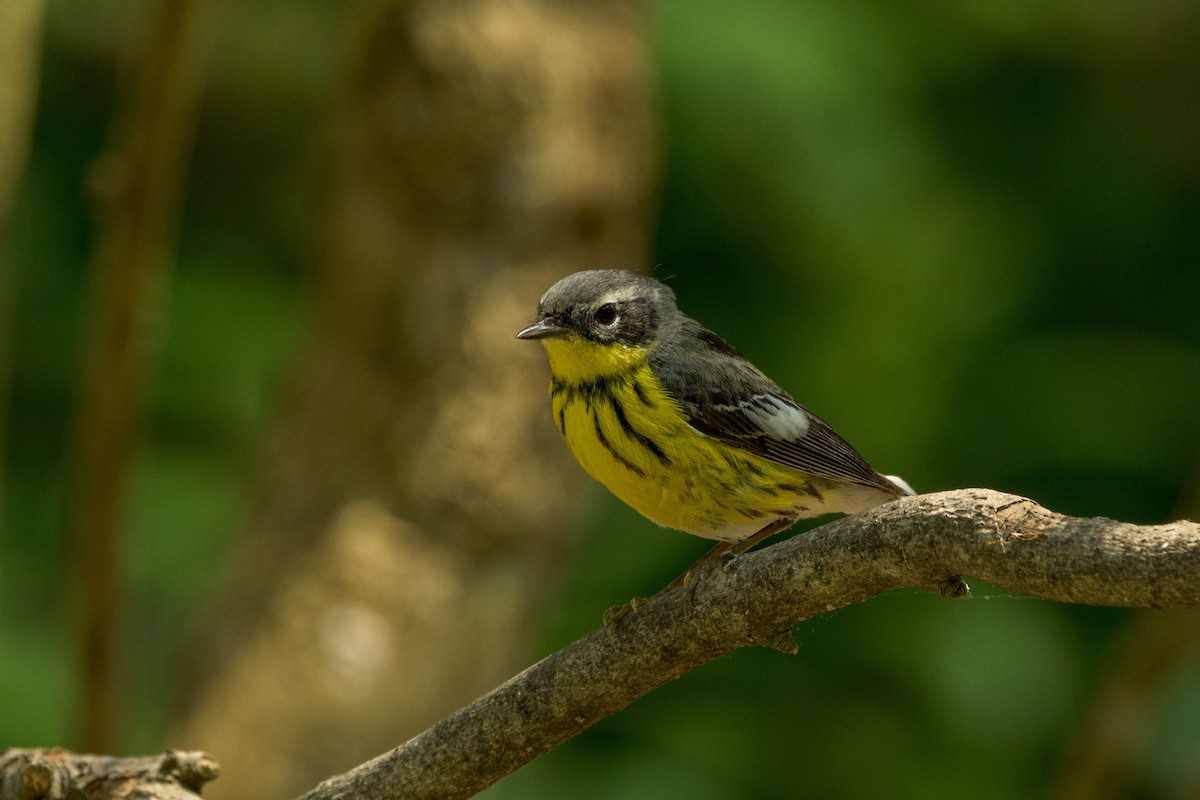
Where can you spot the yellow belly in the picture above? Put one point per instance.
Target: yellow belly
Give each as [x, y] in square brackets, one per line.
[630, 435]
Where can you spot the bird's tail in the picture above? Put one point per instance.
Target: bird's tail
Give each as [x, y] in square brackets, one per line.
[901, 484]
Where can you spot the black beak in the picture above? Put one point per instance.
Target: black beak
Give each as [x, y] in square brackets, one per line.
[543, 329]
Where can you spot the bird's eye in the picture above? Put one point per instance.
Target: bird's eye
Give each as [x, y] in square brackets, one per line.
[606, 314]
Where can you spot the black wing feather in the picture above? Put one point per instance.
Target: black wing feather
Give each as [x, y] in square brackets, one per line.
[725, 397]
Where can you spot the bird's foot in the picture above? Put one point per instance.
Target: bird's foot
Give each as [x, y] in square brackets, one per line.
[697, 575]
[614, 615]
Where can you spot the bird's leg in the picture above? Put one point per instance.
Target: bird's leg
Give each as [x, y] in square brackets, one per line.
[614, 615]
[740, 546]
[766, 533]
[718, 550]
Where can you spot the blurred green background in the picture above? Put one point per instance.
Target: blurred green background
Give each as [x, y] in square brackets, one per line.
[966, 234]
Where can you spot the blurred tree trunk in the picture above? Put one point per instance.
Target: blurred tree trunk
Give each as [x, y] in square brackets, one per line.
[20, 49]
[415, 504]
[136, 187]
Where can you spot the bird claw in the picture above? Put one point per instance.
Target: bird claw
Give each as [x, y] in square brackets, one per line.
[613, 616]
[694, 578]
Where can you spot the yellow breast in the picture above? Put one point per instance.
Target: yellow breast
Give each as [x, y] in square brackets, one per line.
[632, 436]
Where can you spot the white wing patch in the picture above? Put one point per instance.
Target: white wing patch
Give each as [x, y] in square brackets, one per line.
[773, 416]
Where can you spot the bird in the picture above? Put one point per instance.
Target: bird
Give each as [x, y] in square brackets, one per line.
[680, 426]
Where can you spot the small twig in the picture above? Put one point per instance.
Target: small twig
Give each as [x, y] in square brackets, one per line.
[55, 774]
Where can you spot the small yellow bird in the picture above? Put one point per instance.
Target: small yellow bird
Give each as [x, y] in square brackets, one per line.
[681, 427]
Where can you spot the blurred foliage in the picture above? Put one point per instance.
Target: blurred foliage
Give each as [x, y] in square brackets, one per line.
[964, 233]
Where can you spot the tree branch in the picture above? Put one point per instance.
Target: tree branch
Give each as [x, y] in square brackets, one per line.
[926, 542]
[54, 774]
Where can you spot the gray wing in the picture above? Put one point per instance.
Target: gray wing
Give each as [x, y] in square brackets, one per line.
[728, 398]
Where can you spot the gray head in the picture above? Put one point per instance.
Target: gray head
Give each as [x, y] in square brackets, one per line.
[603, 305]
